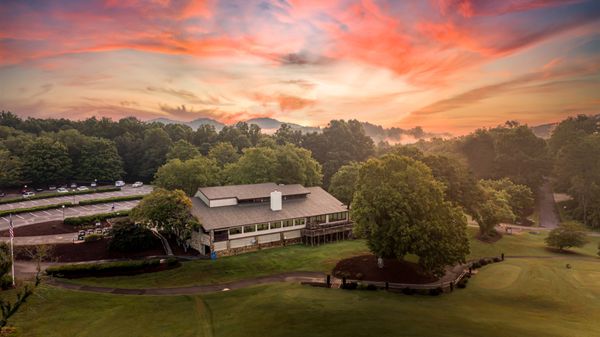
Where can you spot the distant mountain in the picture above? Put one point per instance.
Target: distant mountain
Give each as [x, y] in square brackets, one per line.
[544, 131]
[196, 123]
[270, 125]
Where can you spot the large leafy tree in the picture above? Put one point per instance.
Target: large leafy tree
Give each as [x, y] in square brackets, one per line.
[182, 150]
[493, 210]
[566, 235]
[129, 146]
[168, 211]
[155, 147]
[286, 164]
[224, 153]
[519, 197]
[187, 175]
[344, 181]
[46, 161]
[204, 137]
[10, 169]
[400, 208]
[100, 160]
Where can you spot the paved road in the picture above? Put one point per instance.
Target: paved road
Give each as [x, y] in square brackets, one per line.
[41, 239]
[125, 191]
[546, 206]
[24, 219]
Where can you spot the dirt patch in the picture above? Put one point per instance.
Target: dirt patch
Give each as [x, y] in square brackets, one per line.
[43, 228]
[365, 267]
[90, 251]
[489, 238]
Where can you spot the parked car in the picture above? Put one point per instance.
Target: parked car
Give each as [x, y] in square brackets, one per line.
[28, 194]
[62, 190]
[137, 184]
[119, 183]
[2, 194]
[73, 185]
[39, 189]
[82, 188]
[93, 184]
[51, 187]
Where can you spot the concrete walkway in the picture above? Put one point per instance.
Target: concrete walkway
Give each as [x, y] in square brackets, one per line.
[201, 289]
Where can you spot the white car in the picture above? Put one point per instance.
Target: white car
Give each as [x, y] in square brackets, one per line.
[28, 194]
[137, 184]
[94, 184]
[119, 183]
[62, 190]
[82, 188]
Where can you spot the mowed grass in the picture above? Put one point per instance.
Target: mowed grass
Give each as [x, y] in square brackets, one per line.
[302, 258]
[518, 297]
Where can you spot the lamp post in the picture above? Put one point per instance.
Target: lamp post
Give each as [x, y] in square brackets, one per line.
[63, 209]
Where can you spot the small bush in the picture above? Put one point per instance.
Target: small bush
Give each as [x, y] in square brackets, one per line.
[92, 238]
[359, 276]
[107, 200]
[483, 262]
[435, 291]
[475, 265]
[462, 283]
[350, 286]
[408, 291]
[34, 209]
[56, 194]
[371, 287]
[6, 282]
[497, 259]
[108, 268]
[90, 219]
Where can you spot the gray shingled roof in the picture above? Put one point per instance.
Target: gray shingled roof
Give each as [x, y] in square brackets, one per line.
[318, 202]
[251, 191]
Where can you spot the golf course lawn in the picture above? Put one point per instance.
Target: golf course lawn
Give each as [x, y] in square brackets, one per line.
[517, 297]
[303, 258]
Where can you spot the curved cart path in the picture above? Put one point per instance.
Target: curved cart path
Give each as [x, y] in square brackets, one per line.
[547, 207]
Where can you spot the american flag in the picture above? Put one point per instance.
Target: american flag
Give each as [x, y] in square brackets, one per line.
[10, 227]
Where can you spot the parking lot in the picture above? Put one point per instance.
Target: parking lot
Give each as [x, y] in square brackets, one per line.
[125, 191]
[24, 219]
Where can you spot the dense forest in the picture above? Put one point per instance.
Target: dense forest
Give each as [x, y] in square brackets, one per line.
[493, 174]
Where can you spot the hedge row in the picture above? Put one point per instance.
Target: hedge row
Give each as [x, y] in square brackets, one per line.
[111, 268]
[56, 194]
[35, 208]
[87, 219]
[113, 199]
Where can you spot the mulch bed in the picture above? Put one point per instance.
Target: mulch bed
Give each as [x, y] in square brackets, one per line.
[365, 267]
[42, 228]
[89, 251]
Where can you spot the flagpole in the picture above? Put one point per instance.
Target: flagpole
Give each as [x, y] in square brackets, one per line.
[12, 254]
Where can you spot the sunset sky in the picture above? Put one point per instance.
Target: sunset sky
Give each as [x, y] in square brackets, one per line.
[449, 66]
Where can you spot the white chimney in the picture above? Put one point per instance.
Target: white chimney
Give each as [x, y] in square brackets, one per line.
[276, 201]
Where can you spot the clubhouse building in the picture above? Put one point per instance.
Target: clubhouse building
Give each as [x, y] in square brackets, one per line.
[240, 218]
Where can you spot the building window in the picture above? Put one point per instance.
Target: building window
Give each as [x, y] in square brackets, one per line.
[288, 223]
[337, 216]
[262, 226]
[249, 228]
[275, 224]
[235, 230]
[300, 221]
[221, 236]
[317, 219]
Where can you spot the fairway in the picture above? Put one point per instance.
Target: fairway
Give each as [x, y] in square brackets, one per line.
[545, 299]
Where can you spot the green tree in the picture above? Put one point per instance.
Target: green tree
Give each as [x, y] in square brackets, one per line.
[519, 197]
[400, 208]
[100, 160]
[285, 134]
[155, 147]
[224, 153]
[10, 169]
[46, 161]
[182, 150]
[129, 147]
[168, 211]
[566, 235]
[494, 209]
[204, 138]
[187, 175]
[343, 182]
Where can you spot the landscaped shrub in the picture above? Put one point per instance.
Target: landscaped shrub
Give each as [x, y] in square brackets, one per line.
[110, 268]
[371, 287]
[462, 283]
[359, 276]
[6, 282]
[113, 199]
[435, 291]
[497, 259]
[350, 285]
[408, 291]
[92, 238]
[56, 194]
[475, 265]
[90, 219]
[483, 262]
[130, 237]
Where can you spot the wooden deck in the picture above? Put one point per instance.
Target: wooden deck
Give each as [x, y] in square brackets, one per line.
[316, 234]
